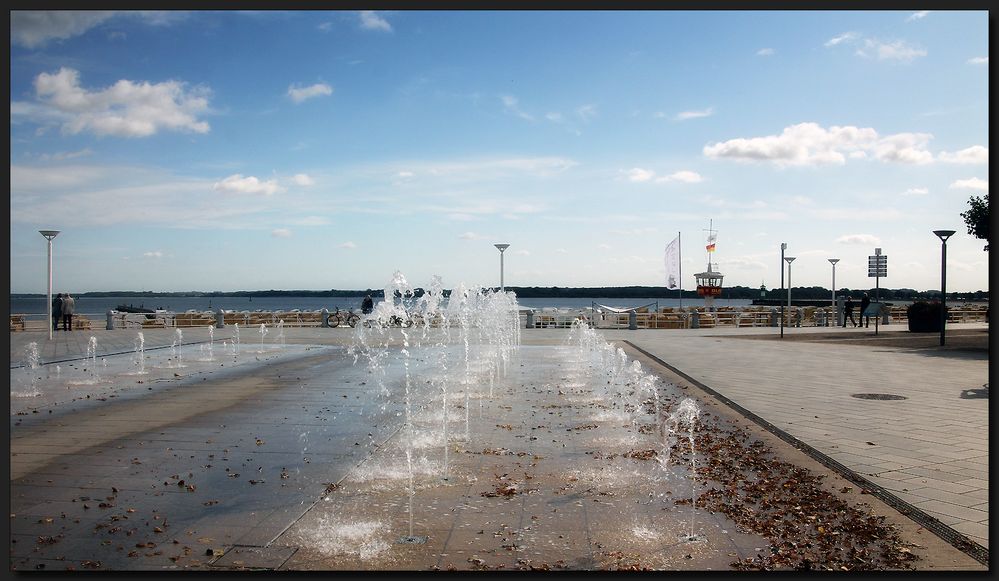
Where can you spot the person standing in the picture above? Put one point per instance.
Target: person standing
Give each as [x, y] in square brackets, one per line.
[367, 305]
[56, 311]
[849, 312]
[68, 308]
[864, 303]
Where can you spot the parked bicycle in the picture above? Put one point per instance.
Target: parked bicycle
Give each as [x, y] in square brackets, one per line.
[339, 317]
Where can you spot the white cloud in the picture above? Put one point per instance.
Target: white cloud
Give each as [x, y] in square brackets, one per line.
[512, 105]
[586, 112]
[471, 236]
[325, 26]
[301, 179]
[685, 176]
[637, 174]
[972, 155]
[299, 94]
[348, 245]
[522, 253]
[979, 60]
[684, 115]
[604, 246]
[237, 184]
[125, 109]
[971, 184]
[917, 15]
[845, 37]
[555, 117]
[281, 233]
[765, 52]
[561, 251]
[35, 28]
[898, 50]
[153, 254]
[916, 192]
[809, 144]
[313, 221]
[64, 155]
[370, 20]
[867, 239]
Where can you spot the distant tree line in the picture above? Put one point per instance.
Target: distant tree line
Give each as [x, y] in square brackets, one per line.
[539, 292]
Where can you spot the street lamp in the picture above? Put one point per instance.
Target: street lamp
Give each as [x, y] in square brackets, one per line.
[833, 261]
[501, 247]
[789, 260]
[783, 247]
[49, 235]
[943, 235]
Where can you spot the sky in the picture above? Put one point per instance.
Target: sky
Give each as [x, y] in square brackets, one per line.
[303, 150]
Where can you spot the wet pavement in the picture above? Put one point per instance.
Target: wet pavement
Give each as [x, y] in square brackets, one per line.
[294, 457]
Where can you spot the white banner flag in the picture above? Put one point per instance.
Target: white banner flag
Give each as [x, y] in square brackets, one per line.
[673, 264]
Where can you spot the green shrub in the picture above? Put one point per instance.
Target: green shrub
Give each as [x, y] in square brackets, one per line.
[924, 317]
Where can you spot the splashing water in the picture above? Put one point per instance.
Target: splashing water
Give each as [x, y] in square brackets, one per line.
[139, 359]
[92, 358]
[263, 331]
[177, 347]
[280, 329]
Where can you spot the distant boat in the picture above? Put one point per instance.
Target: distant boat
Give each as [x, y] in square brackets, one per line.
[131, 309]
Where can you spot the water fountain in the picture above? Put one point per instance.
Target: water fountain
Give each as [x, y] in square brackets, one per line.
[139, 359]
[280, 330]
[263, 331]
[208, 349]
[32, 360]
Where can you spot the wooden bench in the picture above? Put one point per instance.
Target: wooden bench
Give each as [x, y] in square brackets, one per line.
[17, 322]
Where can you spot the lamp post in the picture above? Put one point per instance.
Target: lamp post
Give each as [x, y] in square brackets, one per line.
[783, 247]
[833, 262]
[943, 235]
[49, 235]
[789, 260]
[502, 248]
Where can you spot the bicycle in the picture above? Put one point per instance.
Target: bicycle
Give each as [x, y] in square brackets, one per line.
[339, 317]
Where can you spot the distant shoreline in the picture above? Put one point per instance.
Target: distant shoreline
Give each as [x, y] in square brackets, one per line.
[625, 292]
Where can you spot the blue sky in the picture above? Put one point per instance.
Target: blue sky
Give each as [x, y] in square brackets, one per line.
[315, 150]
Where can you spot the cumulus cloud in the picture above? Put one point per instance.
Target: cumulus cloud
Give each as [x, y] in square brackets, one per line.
[686, 176]
[976, 154]
[637, 174]
[586, 112]
[35, 28]
[281, 233]
[866, 239]
[845, 37]
[153, 254]
[348, 245]
[301, 179]
[512, 105]
[370, 20]
[979, 60]
[916, 192]
[765, 52]
[898, 50]
[971, 184]
[917, 15]
[125, 109]
[299, 94]
[810, 144]
[684, 115]
[237, 184]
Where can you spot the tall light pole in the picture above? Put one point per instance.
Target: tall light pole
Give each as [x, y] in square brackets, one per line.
[789, 260]
[502, 248]
[783, 247]
[49, 235]
[943, 235]
[833, 262]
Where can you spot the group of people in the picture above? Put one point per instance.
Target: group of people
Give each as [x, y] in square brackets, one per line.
[864, 303]
[63, 307]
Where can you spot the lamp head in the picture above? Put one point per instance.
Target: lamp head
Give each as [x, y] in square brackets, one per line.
[944, 234]
[783, 245]
[790, 259]
[502, 247]
[49, 234]
[833, 261]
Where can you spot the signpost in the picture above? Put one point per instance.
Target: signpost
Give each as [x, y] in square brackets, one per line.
[877, 266]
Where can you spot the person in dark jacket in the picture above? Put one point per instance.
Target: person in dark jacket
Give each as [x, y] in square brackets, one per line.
[68, 308]
[367, 305]
[56, 311]
[849, 312]
[864, 303]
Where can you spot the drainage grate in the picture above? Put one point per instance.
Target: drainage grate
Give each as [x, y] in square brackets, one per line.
[877, 396]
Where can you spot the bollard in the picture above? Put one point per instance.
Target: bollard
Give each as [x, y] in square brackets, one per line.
[110, 326]
[632, 320]
[820, 318]
[530, 319]
[219, 318]
[799, 313]
[695, 319]
[840, 312]
[774, 317]
[885, 315]
[326, 318]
